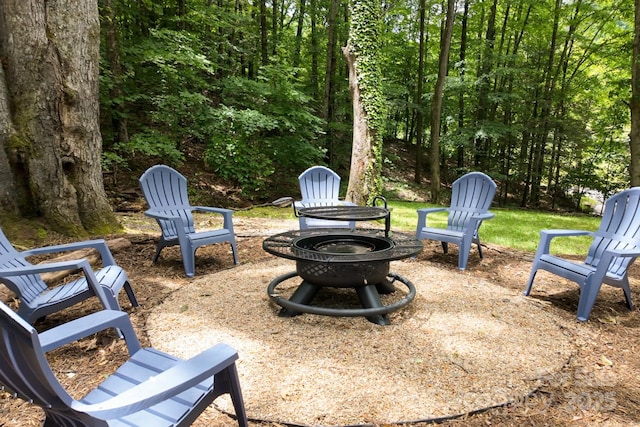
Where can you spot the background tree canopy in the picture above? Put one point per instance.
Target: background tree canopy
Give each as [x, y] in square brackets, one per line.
[536, 95]
[536, 92]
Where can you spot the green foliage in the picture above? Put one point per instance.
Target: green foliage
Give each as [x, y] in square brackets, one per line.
[152, 144]
[199, 77]
[262, 125]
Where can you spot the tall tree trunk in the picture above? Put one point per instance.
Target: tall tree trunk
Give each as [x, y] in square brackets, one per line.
[51, 57]
[328, 97]
[314, 73]
[634, 135]
[418, 98]
[264, 48]
[300, 26]
[542, 133]
[274, 27]
[463, 70]
[365, 78]
[436, 106]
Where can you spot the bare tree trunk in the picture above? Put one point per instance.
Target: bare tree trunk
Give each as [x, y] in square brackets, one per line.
[328, 97]
[436, 106]
[313, 74]
[264, 49]
[51, 57]
[463, 70]
[298, 39]
[418, 98]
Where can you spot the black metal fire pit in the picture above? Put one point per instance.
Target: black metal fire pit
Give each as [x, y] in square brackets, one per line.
[342, 258]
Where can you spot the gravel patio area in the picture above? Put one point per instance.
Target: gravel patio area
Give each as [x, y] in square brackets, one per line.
[463, 344]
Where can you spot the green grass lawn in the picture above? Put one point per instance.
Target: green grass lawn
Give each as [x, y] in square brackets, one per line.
[511, 227]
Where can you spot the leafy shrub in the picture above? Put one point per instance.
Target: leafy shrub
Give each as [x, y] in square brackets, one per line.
[261, 125]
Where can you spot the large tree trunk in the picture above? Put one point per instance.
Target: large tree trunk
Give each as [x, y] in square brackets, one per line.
[8, 194]
[361, 53]
[359, 187]
[51, 57]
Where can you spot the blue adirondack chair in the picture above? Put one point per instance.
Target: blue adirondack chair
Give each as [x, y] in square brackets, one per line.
[151, 388]
[320, 186]
[471, 197]
[615, 245]
[37, 299]
[165, 191]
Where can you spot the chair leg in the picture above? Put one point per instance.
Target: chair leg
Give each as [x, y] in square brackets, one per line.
[588, 293]
[132, 297]
[627, 293]
[532, 275]
[227, 381]
[234, 250]
[477, 242]
[157, 255]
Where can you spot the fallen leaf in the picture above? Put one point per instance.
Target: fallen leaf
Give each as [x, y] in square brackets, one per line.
[605, 361]
[608, 319]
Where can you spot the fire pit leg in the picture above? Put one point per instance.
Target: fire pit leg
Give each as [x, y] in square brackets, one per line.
[370, 298]
[385, 287]
[302, 295]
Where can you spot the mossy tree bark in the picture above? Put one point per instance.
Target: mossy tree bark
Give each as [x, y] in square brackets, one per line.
[365, 83]
[51, 57]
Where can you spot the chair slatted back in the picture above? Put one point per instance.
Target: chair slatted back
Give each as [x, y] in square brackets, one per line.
[471, 194]
[319, 186]
[165, 189]
[28, 286]
[25, 371]
[619, 229]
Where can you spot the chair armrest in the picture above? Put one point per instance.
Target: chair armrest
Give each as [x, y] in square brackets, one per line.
[547, 235]
[184, 375]
[226, 214]
[88, 325]
[210, 209]
[422, 217]
[79, 264]
[99, 244]
[623, 253]
[44, 268]
[162, 214]
[484, 216]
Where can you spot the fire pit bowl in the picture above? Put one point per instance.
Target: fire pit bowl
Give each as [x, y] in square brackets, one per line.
[347, 274]
[341, 258]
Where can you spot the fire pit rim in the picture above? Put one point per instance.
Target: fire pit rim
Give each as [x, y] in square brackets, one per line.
[403, 245]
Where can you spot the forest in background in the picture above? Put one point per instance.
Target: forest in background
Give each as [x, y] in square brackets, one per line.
[537, 93]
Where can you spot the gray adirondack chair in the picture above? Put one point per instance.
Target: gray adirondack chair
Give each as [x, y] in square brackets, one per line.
[165, 191]
[37, 299]
[471, 197]
[615, 246]
[151, 388]
[320, 186]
